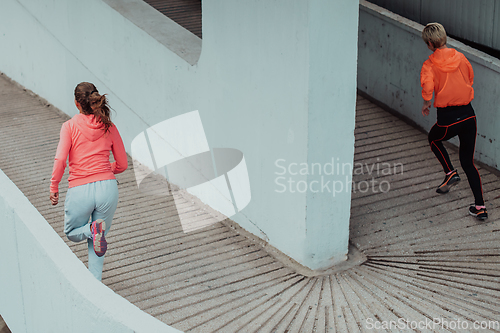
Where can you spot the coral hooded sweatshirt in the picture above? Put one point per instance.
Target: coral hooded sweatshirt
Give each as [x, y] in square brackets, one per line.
[449, 75]
[83, 139]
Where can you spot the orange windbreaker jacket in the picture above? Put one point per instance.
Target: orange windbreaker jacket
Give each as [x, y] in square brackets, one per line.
[449, 75]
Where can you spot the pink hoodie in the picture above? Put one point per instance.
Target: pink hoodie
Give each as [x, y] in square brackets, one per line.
[88, 147]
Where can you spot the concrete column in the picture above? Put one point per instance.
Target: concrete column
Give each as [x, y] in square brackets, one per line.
[286, 82]
[331, 119]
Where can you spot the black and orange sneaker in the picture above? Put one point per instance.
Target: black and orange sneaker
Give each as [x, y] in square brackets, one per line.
[480, 214]
[449, 181]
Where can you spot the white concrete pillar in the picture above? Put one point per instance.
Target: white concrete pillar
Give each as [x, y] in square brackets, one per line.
[331, 119]
[286, 76]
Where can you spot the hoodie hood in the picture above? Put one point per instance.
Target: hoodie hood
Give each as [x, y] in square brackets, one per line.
[447, 60]
[90, 128]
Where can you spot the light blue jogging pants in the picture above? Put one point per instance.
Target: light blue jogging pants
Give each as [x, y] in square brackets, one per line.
[97, 200]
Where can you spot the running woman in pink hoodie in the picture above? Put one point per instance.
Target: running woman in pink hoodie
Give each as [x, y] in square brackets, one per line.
[87, 139]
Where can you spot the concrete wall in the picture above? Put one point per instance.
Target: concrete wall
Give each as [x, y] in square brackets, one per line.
[275, 80]
[477, 21]
[46, 288]
[391, 54]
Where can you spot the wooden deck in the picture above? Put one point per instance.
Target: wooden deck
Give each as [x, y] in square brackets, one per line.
[427, 258]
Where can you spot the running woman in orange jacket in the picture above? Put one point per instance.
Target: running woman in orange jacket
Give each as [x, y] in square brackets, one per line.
[449, 75]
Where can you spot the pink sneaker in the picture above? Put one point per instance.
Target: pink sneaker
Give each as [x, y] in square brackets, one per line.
[100, 245]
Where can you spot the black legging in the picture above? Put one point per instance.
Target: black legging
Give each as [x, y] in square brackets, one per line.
[466, 130]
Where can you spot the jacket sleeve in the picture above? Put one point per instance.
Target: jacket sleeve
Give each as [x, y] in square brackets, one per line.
[427, 81]
[120, 155]
[61, 156]
[471, 71]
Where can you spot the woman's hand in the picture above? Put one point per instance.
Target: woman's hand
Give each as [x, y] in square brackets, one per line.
[54, 198]
[426, 107]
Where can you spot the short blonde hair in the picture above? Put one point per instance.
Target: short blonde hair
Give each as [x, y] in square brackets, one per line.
[434, 34]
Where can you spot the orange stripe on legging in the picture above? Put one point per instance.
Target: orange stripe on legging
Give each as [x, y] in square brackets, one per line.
[432, 143]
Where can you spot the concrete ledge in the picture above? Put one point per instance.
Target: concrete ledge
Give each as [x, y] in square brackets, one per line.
[413, 27]
[44, 287]
[179, 40]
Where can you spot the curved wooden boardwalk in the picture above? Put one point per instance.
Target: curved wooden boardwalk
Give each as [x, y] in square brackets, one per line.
[427, 258]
